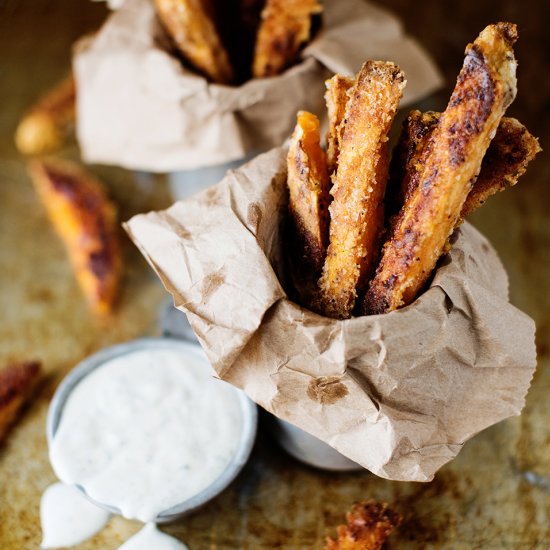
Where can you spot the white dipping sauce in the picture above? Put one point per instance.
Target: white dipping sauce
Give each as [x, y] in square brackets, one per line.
[68, 518]
[150, 538]
[146, 431]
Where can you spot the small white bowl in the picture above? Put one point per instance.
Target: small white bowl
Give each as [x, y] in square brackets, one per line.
[242, 453]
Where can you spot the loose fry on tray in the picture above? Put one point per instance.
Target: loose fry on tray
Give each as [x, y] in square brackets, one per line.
[369, 524]
[450, 162]
[87, 223]
[285, 27]
[191, 25]
[308, 183]
[357, 210]
[17, 383]
[48, 123]
[336, 98]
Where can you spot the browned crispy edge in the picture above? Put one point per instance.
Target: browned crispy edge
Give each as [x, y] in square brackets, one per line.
[404, 165]
[369, 524]
[17, 383]
[336, 98]
[357, 209]
[98, 240]
[506, 160]
[286, 25]
[485, 87]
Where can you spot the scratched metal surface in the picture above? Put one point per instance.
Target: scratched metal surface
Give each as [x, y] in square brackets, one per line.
[496, 494]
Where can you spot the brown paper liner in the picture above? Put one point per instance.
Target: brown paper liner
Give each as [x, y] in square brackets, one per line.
[140, 108]
[398, 393]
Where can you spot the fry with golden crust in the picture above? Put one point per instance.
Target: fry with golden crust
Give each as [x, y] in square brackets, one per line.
[369, 524]
[336, 98]
[48, 123]
[87, 223]
[406, 158]
[308, 184]
[285, 27]
[505, 161]
[450, 163]
[17, 383]
[191, 25]
[357, 210]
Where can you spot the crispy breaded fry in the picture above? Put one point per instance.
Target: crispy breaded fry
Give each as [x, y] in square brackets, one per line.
[336, 98]
[191, 25]
[406, 158]
[49, 122]
[285, 27]
[357, 210]
[506, 160]
[86, 221]
[450, 162]
[17, 383]
[308, 184]
[369, 524]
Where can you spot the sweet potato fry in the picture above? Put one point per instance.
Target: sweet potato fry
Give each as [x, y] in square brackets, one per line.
[308, 184]
[505, 161]
[48, 123]
[17, 383]
[407, 157]
[369, 524]
[192, 27]
[86, 221]
[357, 209]
[336, 98]
[450, 163]
[285, 27]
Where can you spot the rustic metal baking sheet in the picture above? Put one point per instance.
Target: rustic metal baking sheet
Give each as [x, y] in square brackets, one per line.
[496, 494]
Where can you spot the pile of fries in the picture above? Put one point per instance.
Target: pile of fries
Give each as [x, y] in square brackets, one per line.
[367, 233]
[230, 41]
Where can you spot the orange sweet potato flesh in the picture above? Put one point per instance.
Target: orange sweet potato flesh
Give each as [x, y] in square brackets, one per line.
[87, 223]
[450, 163]
[308, 183]
[286, 25]
[357, 213]
[191, 24]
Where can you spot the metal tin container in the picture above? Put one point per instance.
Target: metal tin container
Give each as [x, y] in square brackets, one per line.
[185, 183]
[297, 443]
[248, 410]
[312, 451]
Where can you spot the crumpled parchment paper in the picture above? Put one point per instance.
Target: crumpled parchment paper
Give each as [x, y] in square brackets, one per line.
[140, 108]
[398, 393]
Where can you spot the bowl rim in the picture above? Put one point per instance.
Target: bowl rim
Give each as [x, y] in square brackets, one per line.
[89, 364]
